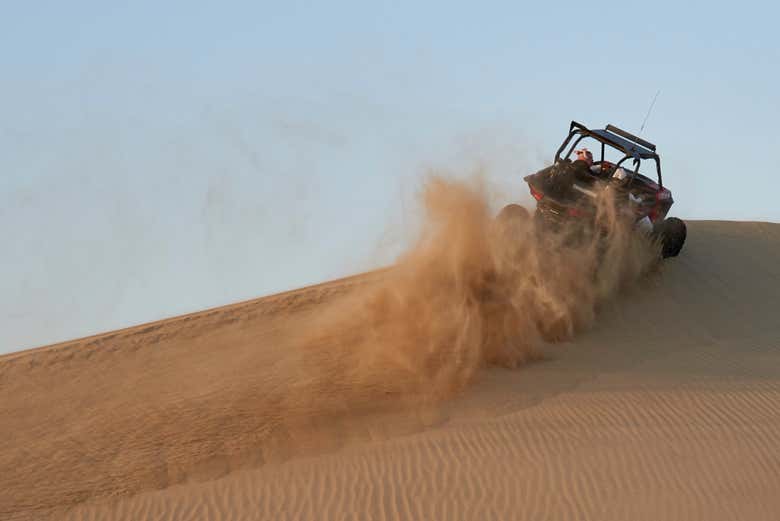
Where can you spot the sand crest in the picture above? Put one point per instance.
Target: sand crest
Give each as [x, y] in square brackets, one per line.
[660, 403]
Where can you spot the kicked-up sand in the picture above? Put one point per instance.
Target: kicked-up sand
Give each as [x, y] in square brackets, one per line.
[468, 382]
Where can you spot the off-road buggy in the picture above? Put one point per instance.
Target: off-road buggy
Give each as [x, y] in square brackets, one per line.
[567, 192]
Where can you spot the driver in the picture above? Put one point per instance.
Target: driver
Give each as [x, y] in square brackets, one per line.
[586, 157]
[584, 154]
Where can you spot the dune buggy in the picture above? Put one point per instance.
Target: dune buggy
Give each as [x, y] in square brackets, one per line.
[568, 190]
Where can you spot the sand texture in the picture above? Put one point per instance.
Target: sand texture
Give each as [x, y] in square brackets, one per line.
[659, 401]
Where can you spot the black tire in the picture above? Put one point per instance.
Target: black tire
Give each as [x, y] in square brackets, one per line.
[511, 223]
[512, 213]
[671, 232]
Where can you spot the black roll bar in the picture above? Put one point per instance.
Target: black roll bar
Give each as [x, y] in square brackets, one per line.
[578, 128]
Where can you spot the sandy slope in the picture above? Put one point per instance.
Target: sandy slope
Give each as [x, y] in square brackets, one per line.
[668, 408]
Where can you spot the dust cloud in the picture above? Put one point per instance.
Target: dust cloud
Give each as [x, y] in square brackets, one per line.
[472, 291]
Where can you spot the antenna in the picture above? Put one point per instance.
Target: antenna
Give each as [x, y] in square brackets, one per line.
[652, 104]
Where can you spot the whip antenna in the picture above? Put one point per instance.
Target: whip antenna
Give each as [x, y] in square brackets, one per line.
[652, 104]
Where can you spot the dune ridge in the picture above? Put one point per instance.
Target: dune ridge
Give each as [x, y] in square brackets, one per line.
[259, 395]
[666, 409]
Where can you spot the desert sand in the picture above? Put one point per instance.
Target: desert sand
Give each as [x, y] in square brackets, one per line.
[663, 403]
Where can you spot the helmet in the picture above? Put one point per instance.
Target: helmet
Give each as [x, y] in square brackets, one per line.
[584, 154]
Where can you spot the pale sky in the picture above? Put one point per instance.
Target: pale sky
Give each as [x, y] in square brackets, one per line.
[164, 157]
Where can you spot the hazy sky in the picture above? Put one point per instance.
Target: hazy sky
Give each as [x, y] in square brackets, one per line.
[164, 157]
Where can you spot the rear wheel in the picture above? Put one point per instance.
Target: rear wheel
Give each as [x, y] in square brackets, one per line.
[512, 213]
[671, 232]
[512, 223]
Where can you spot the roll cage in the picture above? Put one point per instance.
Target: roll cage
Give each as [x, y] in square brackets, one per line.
[630, 145]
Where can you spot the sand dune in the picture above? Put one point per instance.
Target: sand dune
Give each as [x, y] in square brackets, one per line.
[665, 407]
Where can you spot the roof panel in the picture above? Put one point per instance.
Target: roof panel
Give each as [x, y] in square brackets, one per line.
[626, 146]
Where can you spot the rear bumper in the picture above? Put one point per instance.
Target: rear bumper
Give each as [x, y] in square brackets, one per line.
[553, 212]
